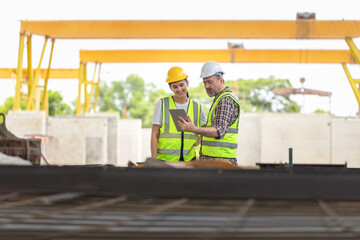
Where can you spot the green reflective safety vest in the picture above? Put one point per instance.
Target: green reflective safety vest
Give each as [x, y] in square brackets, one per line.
[225, 147]
[171, 142]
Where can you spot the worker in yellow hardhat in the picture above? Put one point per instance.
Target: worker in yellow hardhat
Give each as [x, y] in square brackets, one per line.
[220, 135]
[166, 142]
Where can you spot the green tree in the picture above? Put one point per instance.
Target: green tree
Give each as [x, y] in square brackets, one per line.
[9, 103]
[254, 95]
[199, 94]
[107, 101]
[257, 95]
[132, 95]
[321, 111]
[56, 104]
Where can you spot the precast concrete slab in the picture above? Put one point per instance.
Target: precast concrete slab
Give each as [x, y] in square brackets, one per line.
[249, 148]
[145, 144]
[307, 135]
[22, 123]
[129, 144]
[113, 151]
[75, 140]
[66, 150]
[346, 141]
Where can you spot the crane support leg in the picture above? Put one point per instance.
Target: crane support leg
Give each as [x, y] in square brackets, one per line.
[89, 95]
[97, 89]
[356, 53]
[30, 105]
[29, 63]
[19, 72]
[86, 84]
[45, 105]
[352, 84]
[353, 49]
[78, 102]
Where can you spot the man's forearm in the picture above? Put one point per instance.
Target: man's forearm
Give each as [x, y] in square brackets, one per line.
[207, 131]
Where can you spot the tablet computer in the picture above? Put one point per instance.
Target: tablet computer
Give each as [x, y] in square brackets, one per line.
[175, 113]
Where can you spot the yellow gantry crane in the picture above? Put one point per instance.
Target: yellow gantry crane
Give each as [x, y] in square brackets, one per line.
[179, 29]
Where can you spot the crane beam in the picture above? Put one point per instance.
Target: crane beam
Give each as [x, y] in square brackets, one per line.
[55, 73]
[194, 29]
[232, 55]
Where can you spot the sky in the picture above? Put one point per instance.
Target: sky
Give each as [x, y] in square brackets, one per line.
[325, 77]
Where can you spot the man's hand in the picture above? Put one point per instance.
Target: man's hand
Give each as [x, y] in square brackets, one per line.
[187, 126]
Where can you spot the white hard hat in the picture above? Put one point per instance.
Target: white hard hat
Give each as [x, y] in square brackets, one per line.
[211, 68]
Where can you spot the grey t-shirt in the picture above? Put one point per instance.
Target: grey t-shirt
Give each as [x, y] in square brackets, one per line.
[157, 117]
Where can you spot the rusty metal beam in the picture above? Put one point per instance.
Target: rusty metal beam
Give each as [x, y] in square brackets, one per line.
[304, 91]
[8, 73]
[233, 55]
[194, 29]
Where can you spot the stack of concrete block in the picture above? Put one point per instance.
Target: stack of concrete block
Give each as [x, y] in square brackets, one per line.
[124, 139]
[263, 138]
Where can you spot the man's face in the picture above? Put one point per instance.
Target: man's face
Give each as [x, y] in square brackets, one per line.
[212, 85]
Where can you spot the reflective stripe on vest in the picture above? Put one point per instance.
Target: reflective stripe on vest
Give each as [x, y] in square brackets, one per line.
[169, 145]
[227, 146]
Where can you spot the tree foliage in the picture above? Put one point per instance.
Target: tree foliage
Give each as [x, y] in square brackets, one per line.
[257, 95]
[56, 104]
[9, 103]
[135, 99]
[131, 98]
[199, 94]
[254, 95]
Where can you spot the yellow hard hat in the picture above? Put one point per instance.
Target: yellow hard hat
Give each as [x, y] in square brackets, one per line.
[176, 74]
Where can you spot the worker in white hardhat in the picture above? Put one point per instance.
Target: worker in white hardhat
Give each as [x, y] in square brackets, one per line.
[220, 135]
[166, 142]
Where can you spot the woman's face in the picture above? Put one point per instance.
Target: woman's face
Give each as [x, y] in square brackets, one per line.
[179, 88]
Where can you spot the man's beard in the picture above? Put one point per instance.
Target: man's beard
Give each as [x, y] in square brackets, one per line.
[211, 94]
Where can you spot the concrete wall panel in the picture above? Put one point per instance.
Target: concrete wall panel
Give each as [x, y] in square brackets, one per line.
[66, 150]
[145, 143]
[67, 129]
[92, 151]
[129, 141]
[22, 123]
[308, 135]
[248, 153]
[346, 141]
[113, 151]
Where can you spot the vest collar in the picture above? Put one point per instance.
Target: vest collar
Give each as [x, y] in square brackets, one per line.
[226, 89]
